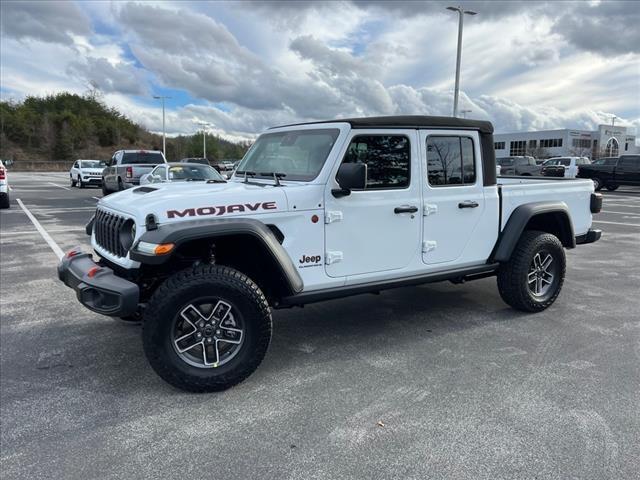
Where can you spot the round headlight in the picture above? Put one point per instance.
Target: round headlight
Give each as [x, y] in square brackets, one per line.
[127, 234]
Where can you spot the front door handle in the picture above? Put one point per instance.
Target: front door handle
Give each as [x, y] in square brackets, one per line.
[405, 209]
[468, 204]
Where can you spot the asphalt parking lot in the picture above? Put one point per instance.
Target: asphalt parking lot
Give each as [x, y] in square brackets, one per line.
[437, 381]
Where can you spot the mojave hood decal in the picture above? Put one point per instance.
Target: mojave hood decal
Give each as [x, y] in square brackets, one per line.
[222, 209]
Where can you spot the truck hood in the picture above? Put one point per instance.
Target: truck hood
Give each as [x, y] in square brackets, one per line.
[191, 200]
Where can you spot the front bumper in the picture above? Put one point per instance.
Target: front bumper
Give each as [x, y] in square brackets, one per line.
[95, 180]
[589, 237]
[97, 287]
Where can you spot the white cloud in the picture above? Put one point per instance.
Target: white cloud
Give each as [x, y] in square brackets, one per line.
[270, 63]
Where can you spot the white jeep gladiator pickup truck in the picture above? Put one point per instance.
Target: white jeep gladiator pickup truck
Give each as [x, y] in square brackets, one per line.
[314, 212]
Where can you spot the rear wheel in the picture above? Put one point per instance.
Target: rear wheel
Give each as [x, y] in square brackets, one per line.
[532, 278]
[120, 185]
[105, 190]
[206, 329]
[597, 184]
[611, 188]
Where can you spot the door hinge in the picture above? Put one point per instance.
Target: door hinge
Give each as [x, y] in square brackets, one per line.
[332, 257]
[333, 216]
[429, 246]
[429, 209]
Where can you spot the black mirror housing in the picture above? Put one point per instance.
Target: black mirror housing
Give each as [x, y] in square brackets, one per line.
[352, 176]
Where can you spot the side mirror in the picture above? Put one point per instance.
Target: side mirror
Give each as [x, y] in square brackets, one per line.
[145, 179]
[350, 176]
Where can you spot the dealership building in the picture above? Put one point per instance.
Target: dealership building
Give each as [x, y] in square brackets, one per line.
[606, 141]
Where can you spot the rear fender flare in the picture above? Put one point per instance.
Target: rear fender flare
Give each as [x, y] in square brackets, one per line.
[519, 220]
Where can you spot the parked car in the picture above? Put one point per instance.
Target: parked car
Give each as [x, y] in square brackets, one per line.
[125, 168]
[566, 167]
[205, 264]
[224, 166]
[525, 166]
[200, 160]
[4, 187]
[605, 161]
[86, 172]
[625, 171]
[182, 172]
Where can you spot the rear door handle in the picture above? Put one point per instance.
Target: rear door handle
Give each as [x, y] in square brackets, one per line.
[405, 209]
[468, 204]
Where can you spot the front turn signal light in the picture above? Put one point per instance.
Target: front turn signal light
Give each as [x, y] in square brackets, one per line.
[163, 248]
[155, 248]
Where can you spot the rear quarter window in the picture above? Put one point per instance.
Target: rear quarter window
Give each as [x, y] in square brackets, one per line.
[144, 158]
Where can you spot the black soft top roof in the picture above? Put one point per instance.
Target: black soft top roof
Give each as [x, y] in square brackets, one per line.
[410, 121]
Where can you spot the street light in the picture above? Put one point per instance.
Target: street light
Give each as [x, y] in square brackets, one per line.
[164, 134]
[204, 137]
[464, 113]
[461, 13]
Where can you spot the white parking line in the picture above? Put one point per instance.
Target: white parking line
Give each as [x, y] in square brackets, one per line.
[47, 238]
[59, 186]
[618, 223]
[97, 198]
[621, 213]
[27, 232]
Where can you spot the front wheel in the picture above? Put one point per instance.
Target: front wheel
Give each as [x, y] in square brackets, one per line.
[206, 329]
[532, 278]
[611, 188]
[73, 182]
[80, 182]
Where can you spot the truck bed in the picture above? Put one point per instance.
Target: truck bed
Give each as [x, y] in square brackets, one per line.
[575, 193]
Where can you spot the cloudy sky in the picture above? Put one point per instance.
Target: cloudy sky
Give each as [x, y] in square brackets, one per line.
[245, 66]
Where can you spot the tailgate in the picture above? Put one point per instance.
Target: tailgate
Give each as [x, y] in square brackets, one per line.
[139, 170]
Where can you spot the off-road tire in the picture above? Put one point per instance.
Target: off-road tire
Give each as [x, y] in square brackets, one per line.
[597, 184]
[179, 291]
[611, 188]
[80, 182]
[513, 275]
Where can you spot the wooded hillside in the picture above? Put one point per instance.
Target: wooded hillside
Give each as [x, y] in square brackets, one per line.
[67, 126]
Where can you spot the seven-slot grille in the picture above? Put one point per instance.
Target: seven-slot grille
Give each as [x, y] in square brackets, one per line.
[107, 227]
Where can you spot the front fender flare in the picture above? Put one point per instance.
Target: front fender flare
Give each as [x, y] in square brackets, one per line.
[180, 232]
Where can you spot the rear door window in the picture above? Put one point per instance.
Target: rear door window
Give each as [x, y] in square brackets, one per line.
[450, 161]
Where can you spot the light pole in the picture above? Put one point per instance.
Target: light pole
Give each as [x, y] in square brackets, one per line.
[164, 133]
[204, 137]
[461, 13]
[464, 113]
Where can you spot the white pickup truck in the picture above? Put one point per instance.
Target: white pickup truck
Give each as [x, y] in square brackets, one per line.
[314, 212]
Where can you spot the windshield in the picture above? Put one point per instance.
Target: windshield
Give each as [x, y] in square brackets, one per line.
[92, 164]
[300, 154]
[505, 162]
[193, 172]
[142, 157]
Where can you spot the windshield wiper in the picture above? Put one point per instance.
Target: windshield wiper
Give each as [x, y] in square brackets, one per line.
[216, 180]
[194, 179]
[246, 174]
[276, 176]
